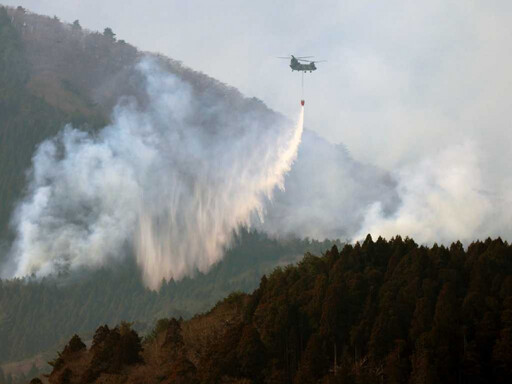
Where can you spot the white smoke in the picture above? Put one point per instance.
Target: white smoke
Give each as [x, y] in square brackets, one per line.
[328, 193]
[455, 193]
[174, 178]
[443, 199]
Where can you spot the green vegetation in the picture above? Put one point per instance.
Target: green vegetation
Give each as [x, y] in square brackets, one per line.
[38, 315]
[377, 312]
[27, 118]
[108, 33]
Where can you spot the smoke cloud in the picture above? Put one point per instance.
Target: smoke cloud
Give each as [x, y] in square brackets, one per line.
[445, 197]
[402, 90]
[328, 193]
[173, 178]
[455, 193]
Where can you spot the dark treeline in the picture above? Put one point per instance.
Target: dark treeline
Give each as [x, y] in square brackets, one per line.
[376, 312]
[38, 315]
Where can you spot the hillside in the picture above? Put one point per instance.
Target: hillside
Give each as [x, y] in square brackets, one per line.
[53, 74]
[377, 311]
[383, 311]
[37, 316]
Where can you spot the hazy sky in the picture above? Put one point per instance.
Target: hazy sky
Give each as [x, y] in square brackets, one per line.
[403, 79]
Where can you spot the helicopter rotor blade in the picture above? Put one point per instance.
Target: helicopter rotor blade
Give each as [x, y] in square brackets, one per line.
[291, 56]
[313, 61]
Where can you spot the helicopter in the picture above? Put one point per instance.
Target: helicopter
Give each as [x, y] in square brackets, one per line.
[296, 65]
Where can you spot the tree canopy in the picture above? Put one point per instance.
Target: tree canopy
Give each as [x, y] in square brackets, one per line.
[374, 312]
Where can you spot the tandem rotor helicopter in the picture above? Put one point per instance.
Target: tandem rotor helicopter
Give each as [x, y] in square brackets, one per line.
[298, 64]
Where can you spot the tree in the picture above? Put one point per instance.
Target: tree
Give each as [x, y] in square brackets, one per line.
[250, 352]
[446, 333]
[75, 345]
[108, 33]
[502, 351]
[314, 361]
[100, 336]
[396, 368]
[77, 26]
[130, 345]
[423, 368]
[112, 349]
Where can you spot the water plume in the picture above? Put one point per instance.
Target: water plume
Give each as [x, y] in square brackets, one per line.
[214, 206]
[173, 178]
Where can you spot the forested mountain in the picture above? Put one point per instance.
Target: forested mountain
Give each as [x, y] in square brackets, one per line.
[376, 312]
[53, 74]
[27, 113]
[38, 315]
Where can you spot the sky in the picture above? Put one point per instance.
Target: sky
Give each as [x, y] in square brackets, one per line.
[402, 80]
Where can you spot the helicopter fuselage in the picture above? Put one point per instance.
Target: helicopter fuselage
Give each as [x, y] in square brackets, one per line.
[295, 65]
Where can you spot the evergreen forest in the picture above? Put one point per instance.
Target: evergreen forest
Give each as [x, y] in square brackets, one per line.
[377, 312]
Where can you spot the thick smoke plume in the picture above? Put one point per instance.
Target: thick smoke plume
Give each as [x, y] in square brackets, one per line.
[174, 178]
[455, 193]
[328, 193]
[444, 198]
